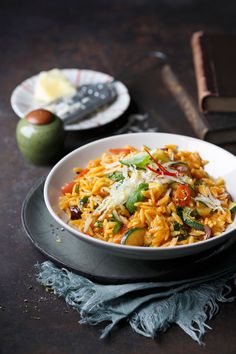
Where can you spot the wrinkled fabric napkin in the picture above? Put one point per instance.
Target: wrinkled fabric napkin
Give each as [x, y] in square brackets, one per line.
[148, 307]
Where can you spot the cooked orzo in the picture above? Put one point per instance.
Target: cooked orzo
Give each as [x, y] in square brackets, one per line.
[154, 198]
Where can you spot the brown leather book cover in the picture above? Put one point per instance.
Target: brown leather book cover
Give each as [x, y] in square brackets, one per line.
[217, 128]
[214, 57]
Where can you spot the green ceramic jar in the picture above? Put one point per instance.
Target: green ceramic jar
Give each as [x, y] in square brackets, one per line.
[40, 137]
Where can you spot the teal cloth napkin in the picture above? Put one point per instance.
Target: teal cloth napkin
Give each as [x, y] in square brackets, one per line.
[148, 307]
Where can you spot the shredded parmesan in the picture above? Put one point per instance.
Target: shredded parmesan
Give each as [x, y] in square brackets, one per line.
[87, 223]
[210, 201]
[116, 215]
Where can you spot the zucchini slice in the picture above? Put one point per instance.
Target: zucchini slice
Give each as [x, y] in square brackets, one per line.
[134, 237]
[232, 207]
[189, 220]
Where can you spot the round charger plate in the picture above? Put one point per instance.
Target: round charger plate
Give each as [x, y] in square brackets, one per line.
[22, 98]
[67, 250]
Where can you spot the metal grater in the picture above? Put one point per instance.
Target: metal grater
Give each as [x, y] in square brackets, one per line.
[91, 98]
[87, 99]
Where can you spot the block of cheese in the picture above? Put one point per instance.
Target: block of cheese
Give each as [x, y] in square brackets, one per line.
[51, 85]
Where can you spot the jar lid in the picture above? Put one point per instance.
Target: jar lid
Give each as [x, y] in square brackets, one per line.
[40, 117]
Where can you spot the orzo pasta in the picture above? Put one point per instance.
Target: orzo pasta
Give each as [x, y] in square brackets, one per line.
[154, 198]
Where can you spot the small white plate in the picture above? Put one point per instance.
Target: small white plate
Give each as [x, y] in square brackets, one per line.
[23, 101]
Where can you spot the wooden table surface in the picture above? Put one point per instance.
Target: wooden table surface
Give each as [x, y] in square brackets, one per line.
[102, 35]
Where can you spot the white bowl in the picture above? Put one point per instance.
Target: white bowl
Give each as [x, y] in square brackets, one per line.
[221, 164]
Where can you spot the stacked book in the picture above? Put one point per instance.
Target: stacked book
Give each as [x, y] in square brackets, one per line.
[213, 117]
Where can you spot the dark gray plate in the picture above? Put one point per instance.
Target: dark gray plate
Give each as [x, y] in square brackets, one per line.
[69, 251]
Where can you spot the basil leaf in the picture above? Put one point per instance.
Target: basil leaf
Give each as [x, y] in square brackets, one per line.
[140, 160]
[137, 196]
[83, 201]
[117, 227]
[189, 220]
[116, 176]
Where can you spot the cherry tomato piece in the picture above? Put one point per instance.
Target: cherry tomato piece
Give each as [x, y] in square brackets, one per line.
[182, 195]
[119, 151]
[67, 188]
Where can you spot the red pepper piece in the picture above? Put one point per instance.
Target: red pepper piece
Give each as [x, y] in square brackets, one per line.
[162, 168]
[152, 169]
[82, 173]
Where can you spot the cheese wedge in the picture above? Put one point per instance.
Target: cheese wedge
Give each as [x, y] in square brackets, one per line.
[51, 85]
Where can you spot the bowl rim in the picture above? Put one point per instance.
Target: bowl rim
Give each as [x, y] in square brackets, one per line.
[137, 249]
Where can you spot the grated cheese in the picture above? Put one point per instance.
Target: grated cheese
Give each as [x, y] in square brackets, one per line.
[87, 223]
[210, 201]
